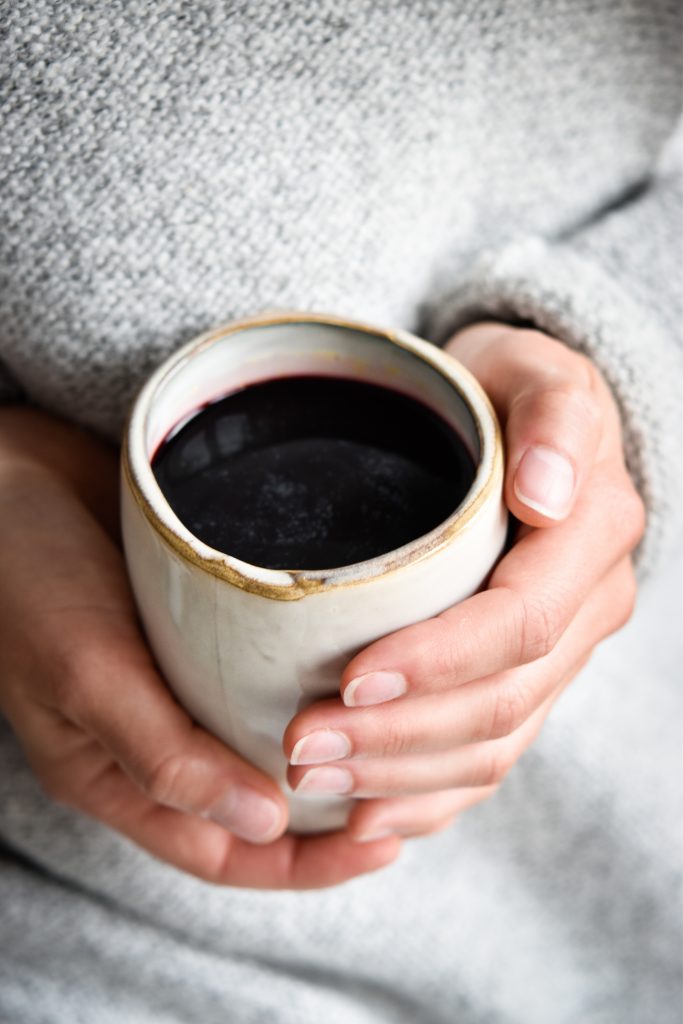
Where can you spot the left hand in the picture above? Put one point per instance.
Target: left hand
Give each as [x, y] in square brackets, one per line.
[433, 717]
[80, 689]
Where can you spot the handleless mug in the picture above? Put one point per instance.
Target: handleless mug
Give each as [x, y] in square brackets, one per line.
[243, 647]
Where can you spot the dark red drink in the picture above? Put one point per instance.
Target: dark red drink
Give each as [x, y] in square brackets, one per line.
[313, 472]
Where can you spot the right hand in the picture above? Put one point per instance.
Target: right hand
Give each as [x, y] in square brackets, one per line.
[79, 686]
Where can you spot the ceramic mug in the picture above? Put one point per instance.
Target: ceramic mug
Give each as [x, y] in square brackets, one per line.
[244, 648]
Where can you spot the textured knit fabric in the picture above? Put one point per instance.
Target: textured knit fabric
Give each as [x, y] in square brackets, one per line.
[167, 166]
[558, 902]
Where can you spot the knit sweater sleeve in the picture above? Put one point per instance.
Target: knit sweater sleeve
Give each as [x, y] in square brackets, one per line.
[612, 289]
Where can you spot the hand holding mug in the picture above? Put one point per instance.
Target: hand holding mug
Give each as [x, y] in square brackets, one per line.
[80, 688]
[433, 717]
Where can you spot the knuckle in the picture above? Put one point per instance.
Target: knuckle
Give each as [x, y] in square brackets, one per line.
[626, 602]
[444, 656]
[577, 394]
[431, 828]
[540, 627]
[164, 782]
[494, 767]
[586, 375]
[488, 792]
[395, 740]
[630, 591]
[576, 406]
[535, 342]
[569, 387]
[71, 688]
[586, 410]
[633, 513]
[625, 512]
[511, 706]
[565, 364]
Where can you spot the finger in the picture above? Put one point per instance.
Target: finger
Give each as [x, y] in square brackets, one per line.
[414, 815]
[206, 850]
[109, 687]
[177, 764]
[485, 709]
[427, 813]
[92, 667]
[84, 775]
[473, 766]
[553, 407]
[533, 595]
[477, 765]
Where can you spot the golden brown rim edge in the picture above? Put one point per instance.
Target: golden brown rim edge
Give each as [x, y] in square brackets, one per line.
[301, 584]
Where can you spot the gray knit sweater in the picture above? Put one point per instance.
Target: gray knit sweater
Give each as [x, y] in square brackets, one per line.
[168, 166]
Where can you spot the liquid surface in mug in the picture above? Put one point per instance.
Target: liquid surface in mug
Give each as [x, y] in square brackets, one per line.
[312, 472]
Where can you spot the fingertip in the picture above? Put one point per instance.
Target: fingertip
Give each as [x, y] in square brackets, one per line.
[374, 837]
[374, 688]
[321, 715]
[249, 814]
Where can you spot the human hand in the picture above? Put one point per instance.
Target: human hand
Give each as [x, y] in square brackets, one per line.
[96, 721]
[433, 717]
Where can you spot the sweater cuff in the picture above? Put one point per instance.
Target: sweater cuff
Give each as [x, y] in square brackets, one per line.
[567, 295]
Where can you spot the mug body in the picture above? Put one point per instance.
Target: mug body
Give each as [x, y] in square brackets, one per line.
[243, 647]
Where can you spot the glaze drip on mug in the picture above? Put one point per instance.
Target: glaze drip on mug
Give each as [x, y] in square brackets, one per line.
[312, 472]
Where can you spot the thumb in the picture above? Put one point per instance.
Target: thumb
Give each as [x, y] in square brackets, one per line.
[547, 398]
[111, 690]
[177, 764]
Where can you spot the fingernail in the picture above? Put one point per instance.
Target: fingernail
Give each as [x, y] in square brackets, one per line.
[320, 746]
[248, 814]
[326, 780]
[373, 837]
[374, 688]
[545, 482]
[398, 832]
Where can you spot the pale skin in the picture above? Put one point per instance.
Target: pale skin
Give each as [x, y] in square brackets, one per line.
[429, 720]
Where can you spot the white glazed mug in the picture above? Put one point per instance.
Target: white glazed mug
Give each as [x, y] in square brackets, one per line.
[244, 648]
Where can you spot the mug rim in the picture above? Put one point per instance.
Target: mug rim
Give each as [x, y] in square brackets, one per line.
[293, 584]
